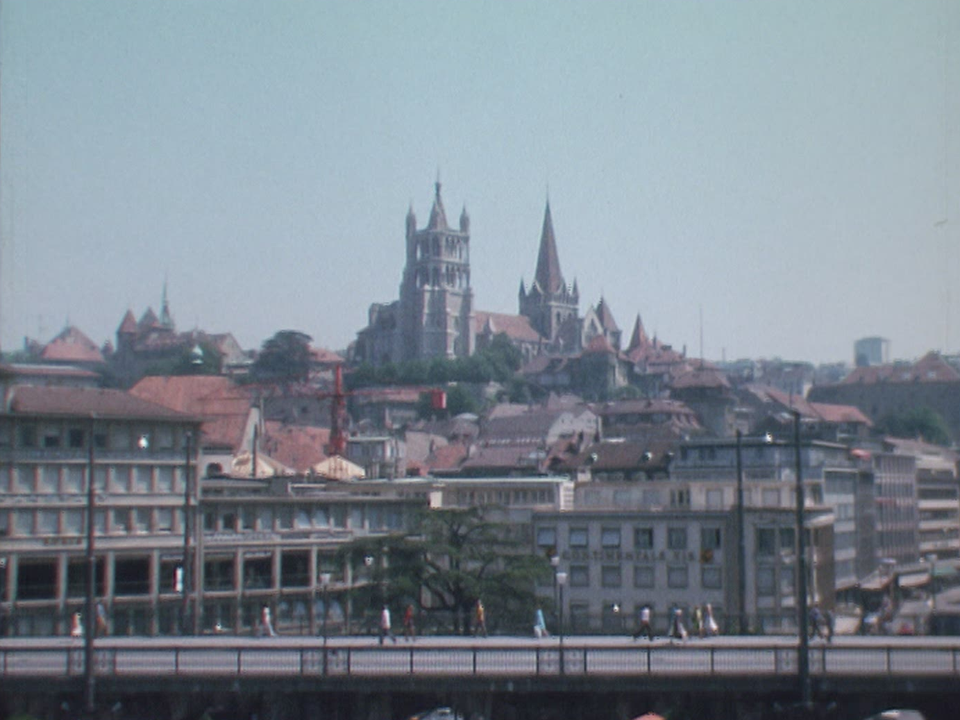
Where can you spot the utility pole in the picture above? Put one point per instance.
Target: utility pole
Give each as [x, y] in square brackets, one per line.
[741, 541]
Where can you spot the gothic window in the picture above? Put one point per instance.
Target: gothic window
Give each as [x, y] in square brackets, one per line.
[436, 277]
[436, 247]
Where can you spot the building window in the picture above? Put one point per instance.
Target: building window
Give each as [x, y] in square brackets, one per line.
[676, 538]
[547, 538]
[610, 576]
[788, 539]
[643, 576]
[711, 578]
[610, 538]
[677, 576]
[766, 542]
[579, 576]
[714, 499]
[710, 538]
[643, 538]
[578, 537]
[28, 436]
[766, 581]
[121, 521]
[75, 438]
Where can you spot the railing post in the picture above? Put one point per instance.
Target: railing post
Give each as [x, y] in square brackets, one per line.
[712, 653]
[411, 661]
[474, 661]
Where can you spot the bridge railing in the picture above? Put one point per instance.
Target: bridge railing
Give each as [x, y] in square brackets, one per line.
[266, 660]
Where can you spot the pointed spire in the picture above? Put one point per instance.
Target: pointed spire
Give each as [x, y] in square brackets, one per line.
[548, 275]
[438, 216]
[166, 320]
[523, 289]
[411, 220]
[464, 220]
[639, 337]
[128, 325]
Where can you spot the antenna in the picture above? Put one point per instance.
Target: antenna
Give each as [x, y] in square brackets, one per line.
[701, 336]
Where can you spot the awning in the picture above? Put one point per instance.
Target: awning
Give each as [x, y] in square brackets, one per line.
[913, 580]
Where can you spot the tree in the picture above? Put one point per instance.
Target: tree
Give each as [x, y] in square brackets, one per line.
[922, 422]
[465, 556]
[285, 357]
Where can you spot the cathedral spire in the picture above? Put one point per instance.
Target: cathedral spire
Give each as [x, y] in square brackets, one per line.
[438, 216]
[548, 275]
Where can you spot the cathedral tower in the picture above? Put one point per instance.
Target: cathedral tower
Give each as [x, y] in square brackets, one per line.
[436, 300]
[552, 305]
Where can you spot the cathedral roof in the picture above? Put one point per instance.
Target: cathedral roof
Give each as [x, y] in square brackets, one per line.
[438, 216]
[516, 327]
[605, 316]
[548, 275]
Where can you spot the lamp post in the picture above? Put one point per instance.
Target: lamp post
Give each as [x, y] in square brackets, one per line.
[324, 584]
[90, 680]
[803, 659]
[741, 543]
[555, 564]
[932, 559]
[185, 580]
[561, 581]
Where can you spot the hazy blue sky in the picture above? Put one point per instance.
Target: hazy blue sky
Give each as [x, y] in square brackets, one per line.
[785, 166]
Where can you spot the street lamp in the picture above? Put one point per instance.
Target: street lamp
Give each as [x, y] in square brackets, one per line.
[555, 564]
[932, 559]
[90, 679]
[324, 584]
[186, 569]
[561, 581]
[803, 659]
[741, 541]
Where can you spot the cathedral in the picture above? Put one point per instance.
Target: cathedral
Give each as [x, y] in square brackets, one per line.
[435, 316]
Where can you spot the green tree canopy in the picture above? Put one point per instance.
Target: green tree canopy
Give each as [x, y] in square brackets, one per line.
[285, 357]
[922, 422]
[451, 558]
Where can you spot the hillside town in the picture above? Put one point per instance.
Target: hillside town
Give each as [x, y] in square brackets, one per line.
[230, 481]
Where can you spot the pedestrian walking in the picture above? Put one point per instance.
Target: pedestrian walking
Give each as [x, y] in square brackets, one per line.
[409, 630]
[645, 628]
[539, 625]
[385, 629]
[102, 628]
[709, 622]
[266, 623]
[698, 627]
[677, 630]
[816, 620]
[480, 619]
[76, 625]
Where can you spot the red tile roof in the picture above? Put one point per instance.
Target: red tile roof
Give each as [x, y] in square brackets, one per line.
[128, 325]
[71, 345]
[87, 402]
[223, 406]
[824, 412]
[296, 446]
[930, 368]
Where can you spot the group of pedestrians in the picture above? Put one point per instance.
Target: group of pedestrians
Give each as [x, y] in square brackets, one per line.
[704, 624]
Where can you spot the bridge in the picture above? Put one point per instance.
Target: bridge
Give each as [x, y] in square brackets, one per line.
[752, 667]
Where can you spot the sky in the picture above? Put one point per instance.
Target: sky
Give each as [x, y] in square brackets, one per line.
[754, 178]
